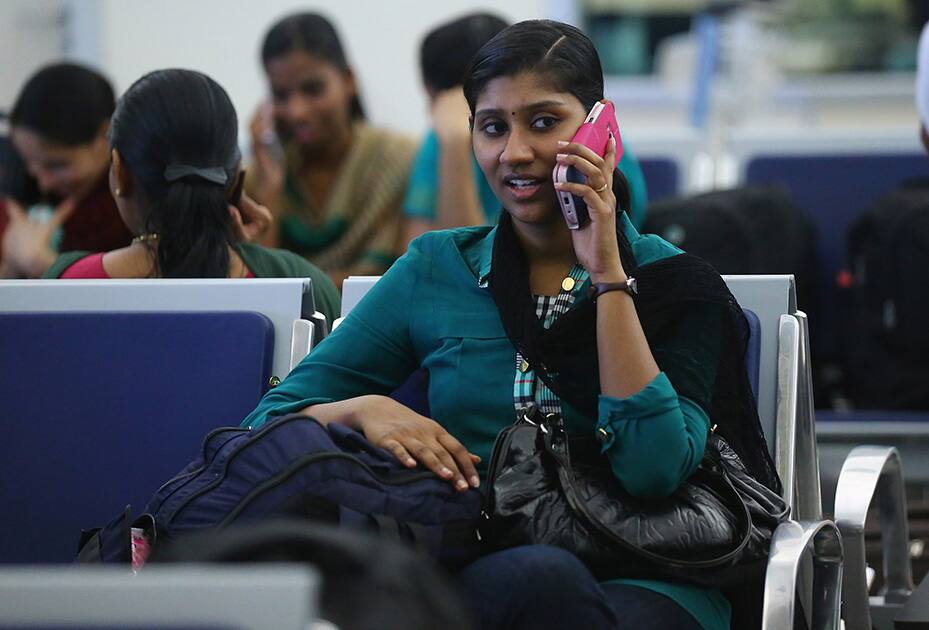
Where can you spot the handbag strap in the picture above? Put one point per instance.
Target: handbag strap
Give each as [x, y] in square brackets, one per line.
[555, 440]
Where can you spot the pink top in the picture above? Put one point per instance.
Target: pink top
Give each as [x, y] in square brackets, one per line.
[91, 268]
[88, 267]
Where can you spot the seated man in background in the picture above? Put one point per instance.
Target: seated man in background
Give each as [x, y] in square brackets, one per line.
[464, 197]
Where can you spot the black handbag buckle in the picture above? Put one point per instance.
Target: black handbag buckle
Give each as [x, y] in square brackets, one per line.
[531, 414]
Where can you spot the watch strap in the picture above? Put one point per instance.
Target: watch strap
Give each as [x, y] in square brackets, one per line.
[628, 285]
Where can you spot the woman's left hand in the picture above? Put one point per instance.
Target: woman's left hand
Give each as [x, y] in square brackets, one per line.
[250, 220]
[27, 243]
[595, 244]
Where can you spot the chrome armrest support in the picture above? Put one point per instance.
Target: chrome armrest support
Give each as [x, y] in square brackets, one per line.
[793, 542]
[869, 473]
[788, 374]
[301, 341]
[809, 500]
[320, 326]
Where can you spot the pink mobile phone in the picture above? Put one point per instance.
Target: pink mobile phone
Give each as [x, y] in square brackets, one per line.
[594, 134]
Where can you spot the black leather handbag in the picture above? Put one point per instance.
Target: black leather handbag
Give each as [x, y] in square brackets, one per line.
[545, 488]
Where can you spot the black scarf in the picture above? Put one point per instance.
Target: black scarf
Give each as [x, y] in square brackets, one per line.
[681, 303]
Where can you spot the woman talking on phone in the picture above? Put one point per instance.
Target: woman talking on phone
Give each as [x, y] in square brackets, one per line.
[531, 312]
[176, 177]
[333, 183]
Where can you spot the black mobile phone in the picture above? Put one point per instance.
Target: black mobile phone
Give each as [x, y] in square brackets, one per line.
[235, 192]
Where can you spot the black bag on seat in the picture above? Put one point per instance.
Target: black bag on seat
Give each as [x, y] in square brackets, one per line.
[750, 230]
[546, 488]
[886, 319]
[367, 582]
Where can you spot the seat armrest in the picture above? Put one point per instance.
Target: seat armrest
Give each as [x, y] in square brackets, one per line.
[792, 544]
[789, 337]
[301, 341]
[321, 325]
[869, 473]
[809, 505]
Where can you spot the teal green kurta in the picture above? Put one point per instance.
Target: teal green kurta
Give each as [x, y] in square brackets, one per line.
[432, 309]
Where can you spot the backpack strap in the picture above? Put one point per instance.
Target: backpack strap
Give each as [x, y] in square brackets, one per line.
[88, 549]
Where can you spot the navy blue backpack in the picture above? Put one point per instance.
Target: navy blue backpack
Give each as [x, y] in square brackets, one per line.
[295, 466]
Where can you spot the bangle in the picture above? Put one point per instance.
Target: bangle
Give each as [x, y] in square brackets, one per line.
[629, 285]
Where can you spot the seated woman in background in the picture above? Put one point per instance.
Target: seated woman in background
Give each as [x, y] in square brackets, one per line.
[531, 312]
[58, 126]
[447, 188]
[333, 183]
[176, 179]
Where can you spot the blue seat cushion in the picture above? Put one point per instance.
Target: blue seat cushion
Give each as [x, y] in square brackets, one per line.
[662, 177]
[753, 350]
[99, 409]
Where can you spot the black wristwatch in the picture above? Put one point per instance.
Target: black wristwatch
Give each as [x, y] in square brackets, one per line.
[628, 285]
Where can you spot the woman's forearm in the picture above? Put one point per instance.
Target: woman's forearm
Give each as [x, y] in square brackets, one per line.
[654, 439]
[625, 359]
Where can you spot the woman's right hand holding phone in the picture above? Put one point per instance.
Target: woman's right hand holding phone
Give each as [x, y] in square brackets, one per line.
[595, 245]
[412, 438]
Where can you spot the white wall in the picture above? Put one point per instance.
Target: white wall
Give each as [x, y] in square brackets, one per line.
[222, 38]
[126, 38]
[31, 35]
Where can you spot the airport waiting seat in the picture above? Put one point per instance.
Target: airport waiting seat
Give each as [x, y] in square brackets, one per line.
[239, 597]
[806, 553]
[834, 176]
[840, 432]
[231, 373]
[873, 475]
[287, 302]
[100, 408]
